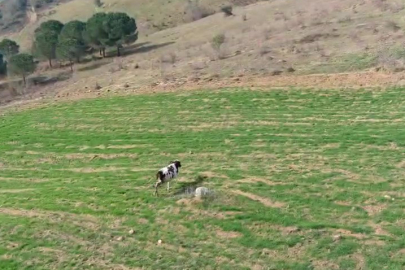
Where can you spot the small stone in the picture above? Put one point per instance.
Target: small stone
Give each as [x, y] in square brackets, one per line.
[120, 238]
[290, 69]
[337, 237]
[276, 72]
[131, 232]
[159, 242]
[387, 197]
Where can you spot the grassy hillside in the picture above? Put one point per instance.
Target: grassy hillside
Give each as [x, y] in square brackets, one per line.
[303, 180]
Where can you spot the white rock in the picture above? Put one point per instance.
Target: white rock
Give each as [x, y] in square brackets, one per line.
[159, 242]
[201, 192]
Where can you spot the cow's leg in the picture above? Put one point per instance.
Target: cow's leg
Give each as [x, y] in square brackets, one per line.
[168, 186]
[158, 183]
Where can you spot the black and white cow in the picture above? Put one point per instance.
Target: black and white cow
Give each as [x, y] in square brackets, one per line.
[166, 174]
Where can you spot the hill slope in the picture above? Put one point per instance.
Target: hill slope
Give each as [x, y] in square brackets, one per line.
[151, 15]
[268, 38]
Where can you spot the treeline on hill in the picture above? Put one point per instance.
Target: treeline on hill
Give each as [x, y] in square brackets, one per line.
[69, 42]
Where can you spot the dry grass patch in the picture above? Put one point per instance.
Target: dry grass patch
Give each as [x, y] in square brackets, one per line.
[374, 209]
[209, 126]
[351, 176]
[32, 180]
[288, 230]
[347, 233]
[95, 170]
[86, 221]
[378, 230]
[331, 146]
[199, 154]
[262, 123]
[129, 146]
[294, 253]
[343, 203]
[101, 156]
[59, 252]
[324, 264]
[6, 257]
[401, 164]
[191, 205]
[265, 201]
[210, 174]
[258, 155]
[360, 261]
[16, 190]
[188, 201]
[227, 235]
[374, 242]
[260, 180]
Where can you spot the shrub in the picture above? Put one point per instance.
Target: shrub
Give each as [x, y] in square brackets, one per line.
[217, 44]
[218, 41]
[227, 10]
[98, 3]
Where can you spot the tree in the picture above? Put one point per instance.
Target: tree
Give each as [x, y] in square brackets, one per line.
[46, 39]
[120, 29]
[70, 49]
[51, 25]
[71, 43]
[94, 35]
[3, 66]
[9, 48]
[21, 64]
[73, 29]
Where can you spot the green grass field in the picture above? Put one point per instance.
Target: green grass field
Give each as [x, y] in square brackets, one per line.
[303, 180]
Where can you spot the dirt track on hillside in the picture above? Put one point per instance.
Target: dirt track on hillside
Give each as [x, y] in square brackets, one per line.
[358, 80]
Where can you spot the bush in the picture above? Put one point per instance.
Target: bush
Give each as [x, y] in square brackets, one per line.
[217, 44]
[98, 3]
[218, 41]
[227, 10]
